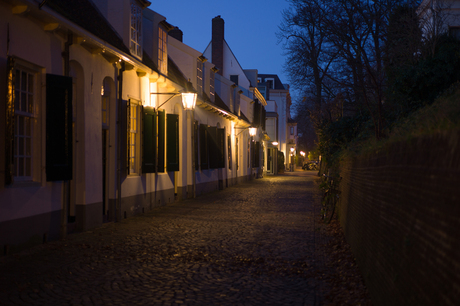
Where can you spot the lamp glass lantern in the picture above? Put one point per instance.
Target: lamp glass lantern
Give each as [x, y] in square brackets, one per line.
[252, 131]
[189, 100]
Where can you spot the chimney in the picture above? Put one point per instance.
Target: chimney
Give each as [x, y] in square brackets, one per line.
[218, 43]
[176, 33]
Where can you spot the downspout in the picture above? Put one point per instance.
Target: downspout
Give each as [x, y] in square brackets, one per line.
[66, 184]
[119, 136]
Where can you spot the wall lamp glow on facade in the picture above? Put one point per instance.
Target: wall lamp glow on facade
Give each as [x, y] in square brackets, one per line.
[252, 130]
[275, 143]
[188, 97]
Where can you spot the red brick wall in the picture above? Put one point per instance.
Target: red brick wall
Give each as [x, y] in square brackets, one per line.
[400, 210]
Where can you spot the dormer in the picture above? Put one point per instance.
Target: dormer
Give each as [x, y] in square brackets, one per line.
[125, 16]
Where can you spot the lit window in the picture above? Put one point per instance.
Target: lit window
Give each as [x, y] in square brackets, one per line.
[105, 98]
[212, 91]
[24, 121]
[133, 137]
[199, 77]
[162, 51]
[135, 32]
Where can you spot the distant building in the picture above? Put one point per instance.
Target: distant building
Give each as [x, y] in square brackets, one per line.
[279, 122]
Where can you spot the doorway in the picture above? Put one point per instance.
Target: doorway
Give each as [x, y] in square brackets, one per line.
[105, 191]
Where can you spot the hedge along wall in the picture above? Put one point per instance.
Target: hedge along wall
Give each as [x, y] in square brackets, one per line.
[400, 210]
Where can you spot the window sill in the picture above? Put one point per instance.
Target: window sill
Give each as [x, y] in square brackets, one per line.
[24, 184]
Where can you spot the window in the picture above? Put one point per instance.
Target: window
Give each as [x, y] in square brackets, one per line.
[270, 83]
[199, 77]
[292, 130]
[212, 90]
[204, 147]
[133, 138]
[172, 142]
[162, 51]
[237, 152]
[454, 32]
[24, 93]
[105, 98]
[135, 45]
[234, 78]
[229, 151]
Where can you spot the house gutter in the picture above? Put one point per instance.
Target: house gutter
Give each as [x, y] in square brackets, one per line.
[66, 184]
[119, 73]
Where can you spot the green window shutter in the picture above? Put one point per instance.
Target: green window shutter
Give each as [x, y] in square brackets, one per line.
[204, 147]
[252, 154]
[172, 142]
[149, 140]
[221, 147]
[9, 124]
[257, 114]
[161, 141]
[195, 131]
[229, 151]
[264, 118]
[128, 134]
[58, 127]
[257, 154]
[213, 148]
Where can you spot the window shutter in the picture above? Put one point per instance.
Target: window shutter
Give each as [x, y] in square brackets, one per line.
[195, 131]
[128, 134]
[149, 142]
[229, 153]
[9, 124]
[161, 141]
[58, 127]
[257, 115]
[257, 154]
[252, 153]
[213, 148]
[204, 147]
[221, 147]
[264, 118]
[172, 142]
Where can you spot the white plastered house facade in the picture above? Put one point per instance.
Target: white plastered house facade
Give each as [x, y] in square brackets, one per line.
[278, 113]
[95, 128]
[238, 91]
[439, 16]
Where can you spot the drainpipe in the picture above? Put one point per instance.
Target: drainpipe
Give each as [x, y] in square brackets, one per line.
[66, 184]
[119, 135]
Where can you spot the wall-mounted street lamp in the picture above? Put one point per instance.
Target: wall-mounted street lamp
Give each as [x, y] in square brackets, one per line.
[188, 96]
[252, 130]
[275, 143]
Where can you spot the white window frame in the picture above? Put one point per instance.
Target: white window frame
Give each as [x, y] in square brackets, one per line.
[134, 138]
[212, 82]
[135, 33]
[25, 121]
[162, 50]
[199, 77]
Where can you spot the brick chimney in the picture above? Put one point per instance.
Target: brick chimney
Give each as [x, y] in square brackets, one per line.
[218, 25]
[176, 33]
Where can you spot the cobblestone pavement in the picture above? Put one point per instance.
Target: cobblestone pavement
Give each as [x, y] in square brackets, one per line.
[256, 243]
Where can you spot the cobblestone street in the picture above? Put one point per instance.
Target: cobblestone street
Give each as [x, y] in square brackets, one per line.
[257, 243]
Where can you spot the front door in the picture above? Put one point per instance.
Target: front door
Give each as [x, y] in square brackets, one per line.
[270, 160]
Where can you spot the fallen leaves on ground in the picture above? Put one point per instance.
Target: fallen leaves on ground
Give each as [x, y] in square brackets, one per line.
[345, 285]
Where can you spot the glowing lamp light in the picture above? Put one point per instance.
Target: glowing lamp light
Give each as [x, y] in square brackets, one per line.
[252, 131]
[275, 143]
[189, 100]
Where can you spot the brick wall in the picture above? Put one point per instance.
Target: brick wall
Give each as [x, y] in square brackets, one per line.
[400, 210]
